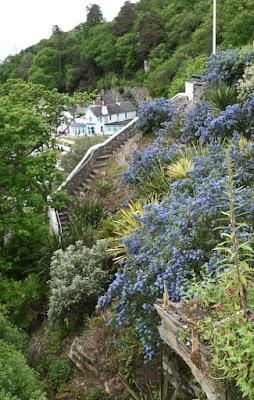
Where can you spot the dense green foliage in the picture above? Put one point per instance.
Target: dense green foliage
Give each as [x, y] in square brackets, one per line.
[176, 193]
[16, 378]
[173, 36]
[60, 371]
[29, 116]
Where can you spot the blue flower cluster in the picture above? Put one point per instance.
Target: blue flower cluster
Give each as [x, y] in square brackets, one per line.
[197, 122]
[227, 65]
[142, 162]
[153, 113]
[201, 124]
[176, 238]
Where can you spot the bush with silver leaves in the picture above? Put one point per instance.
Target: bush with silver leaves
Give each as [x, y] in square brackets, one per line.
[77, 277]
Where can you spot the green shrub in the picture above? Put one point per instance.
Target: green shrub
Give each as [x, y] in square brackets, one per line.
[103, 187]
[60, 371]
[16, 377]
[7, 396]
[56, 334]
[85, 220]
[96, 394]
[11, 334]
[77, 278]
[21, 299]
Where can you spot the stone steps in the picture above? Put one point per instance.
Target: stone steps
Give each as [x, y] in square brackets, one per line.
[98, 160]
[80, 356]
[99, 163]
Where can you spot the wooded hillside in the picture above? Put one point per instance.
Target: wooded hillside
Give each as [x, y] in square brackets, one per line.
[174, 36]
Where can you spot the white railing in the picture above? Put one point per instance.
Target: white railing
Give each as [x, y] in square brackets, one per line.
[178, 96]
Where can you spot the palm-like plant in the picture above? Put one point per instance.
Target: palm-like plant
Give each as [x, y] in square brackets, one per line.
[180, 168]
[156, 183]
[220, 96]
[124, 223]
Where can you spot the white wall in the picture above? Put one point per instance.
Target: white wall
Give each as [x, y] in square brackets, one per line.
[89, 123]
[189, 87]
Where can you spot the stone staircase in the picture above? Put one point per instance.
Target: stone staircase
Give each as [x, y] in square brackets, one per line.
[79, 181]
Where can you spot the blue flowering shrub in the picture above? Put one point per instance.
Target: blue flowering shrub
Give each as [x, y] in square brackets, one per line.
[201, 124]
[227, 65]
[177, 237]
[197, 122]
[144, 162]
[153, 113]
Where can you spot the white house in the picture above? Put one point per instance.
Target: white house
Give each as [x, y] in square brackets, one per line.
[100, 119]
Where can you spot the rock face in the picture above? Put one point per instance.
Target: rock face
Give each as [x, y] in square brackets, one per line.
[192, 361]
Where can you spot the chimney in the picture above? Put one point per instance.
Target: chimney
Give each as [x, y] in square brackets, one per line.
[104, 109]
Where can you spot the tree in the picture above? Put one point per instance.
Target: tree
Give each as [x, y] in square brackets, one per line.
[94, 15]
[125, 19]
[150, 32]
[45, 68]
[29, 114]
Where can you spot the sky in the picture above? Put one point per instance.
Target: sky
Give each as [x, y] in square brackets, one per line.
[26, 22]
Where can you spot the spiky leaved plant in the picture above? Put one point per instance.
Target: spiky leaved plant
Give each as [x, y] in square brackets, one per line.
[220, 96]
[180, 168]
[123, 224]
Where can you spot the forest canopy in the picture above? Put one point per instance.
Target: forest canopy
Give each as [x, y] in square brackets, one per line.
[98, 54]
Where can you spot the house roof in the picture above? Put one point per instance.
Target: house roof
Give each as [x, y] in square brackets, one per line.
[121, 107]
[97, 110]
[113, 108]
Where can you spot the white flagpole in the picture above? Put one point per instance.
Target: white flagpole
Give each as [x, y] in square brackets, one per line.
[214, 26]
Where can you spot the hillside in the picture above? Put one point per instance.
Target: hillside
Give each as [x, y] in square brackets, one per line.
[172, 36]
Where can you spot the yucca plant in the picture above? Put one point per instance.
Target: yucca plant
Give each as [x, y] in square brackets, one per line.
[156, 183]
[221, 96]
[126, 220]
[84, 222]
[243, 143]
[180, 168]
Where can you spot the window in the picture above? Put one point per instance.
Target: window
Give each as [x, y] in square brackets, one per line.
[126, 115]
[110, 117]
